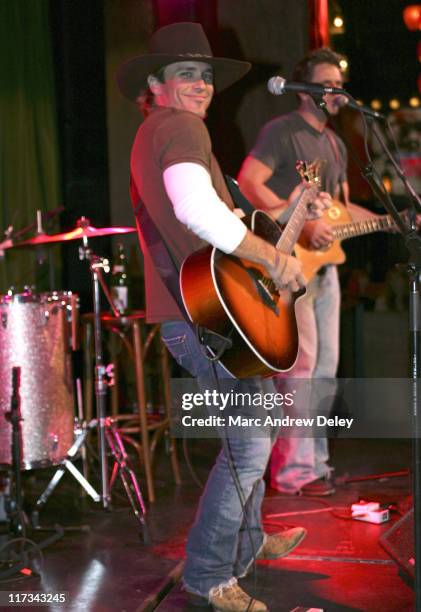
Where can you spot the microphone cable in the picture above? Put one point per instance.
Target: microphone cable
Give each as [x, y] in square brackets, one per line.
[225, 442]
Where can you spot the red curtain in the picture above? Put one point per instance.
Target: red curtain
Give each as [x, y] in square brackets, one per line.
[171, 11]
[318, 23]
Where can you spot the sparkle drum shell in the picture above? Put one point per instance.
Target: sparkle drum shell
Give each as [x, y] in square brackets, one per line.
[35, 335]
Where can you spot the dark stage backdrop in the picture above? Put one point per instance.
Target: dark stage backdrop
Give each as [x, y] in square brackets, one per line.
[77, 35]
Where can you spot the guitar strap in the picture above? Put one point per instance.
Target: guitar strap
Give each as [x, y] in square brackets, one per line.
[239, 199]
[169, 273]
[334, 144]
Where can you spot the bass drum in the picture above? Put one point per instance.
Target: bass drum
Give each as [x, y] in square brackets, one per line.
[36, 336]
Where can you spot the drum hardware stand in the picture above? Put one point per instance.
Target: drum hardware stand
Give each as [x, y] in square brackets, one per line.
[128, 477]
[101, 382]
[81, 432]
[121, 467]
[18, 519]
[107, 430]
[82, 429]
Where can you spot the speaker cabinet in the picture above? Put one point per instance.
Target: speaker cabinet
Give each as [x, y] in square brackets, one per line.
[398, 542]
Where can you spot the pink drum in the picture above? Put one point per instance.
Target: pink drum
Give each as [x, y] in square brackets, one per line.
[35, 335]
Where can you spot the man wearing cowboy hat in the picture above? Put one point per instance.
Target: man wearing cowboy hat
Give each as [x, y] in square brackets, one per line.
[177, 180]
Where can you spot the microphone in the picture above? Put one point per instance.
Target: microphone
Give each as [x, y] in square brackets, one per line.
[277, 86]
[341, 101]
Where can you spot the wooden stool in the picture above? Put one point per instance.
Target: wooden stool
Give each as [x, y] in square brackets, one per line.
[150, 427]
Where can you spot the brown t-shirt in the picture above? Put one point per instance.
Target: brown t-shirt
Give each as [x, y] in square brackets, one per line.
[170, 136]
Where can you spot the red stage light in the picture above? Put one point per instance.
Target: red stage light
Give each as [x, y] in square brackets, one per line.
[412, 17]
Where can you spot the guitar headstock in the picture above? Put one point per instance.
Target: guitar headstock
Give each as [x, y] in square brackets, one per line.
[310, 173]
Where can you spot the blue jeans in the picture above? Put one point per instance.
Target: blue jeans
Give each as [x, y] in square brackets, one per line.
[298, 461]
[218, 545]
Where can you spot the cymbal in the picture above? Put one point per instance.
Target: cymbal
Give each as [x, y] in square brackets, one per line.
[82, 230]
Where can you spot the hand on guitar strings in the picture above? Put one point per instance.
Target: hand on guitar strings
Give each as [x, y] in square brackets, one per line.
[317, 234]
[315, 209]
[321, 202]
[286, 272]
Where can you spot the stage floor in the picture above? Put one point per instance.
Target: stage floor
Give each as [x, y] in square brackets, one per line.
[340, 566]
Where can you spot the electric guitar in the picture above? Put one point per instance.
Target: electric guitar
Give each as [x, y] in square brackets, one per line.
[236, 299]
[343, 228]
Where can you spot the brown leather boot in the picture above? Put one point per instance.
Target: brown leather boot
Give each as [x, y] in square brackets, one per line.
[281, 544]
[230, 597]
[278, 546]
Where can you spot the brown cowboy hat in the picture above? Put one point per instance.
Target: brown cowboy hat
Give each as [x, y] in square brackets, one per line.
[177, 42]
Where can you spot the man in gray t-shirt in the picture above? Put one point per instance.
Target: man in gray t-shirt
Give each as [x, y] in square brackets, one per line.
[286, 139]
[268, 178]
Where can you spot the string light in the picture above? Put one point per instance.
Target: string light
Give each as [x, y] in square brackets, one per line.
[376, 104]
[337, 25]
[394, 103]
[412, 19]
[387, 181]
[343, 64]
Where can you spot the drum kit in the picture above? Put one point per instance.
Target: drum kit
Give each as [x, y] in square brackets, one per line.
[38, 332]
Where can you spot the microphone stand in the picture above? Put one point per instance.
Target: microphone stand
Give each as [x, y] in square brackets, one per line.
[413, 244]
[416, 200]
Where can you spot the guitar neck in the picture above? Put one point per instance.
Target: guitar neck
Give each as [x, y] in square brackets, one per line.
[368, 226]
[292, 230]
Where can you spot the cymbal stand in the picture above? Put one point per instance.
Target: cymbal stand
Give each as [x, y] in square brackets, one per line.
[107, 432]
[123, 468]
[103, 375]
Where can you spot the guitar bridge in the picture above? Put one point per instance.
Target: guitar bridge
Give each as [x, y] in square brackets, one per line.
[263, 289]
[266, 295]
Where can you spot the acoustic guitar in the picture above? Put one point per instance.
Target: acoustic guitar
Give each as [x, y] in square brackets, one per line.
[236, 299]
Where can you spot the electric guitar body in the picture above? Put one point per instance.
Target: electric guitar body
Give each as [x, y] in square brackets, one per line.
[343, 228]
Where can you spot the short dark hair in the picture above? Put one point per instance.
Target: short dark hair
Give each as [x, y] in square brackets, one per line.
[303, 71]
